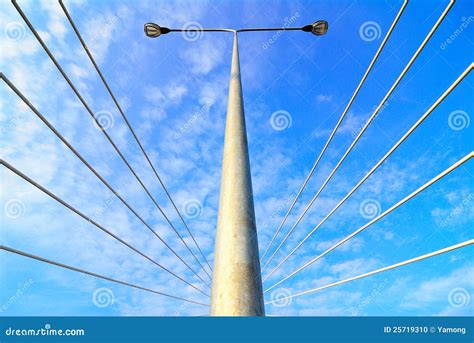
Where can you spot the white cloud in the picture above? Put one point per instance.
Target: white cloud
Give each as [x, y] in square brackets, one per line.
[204, 55]
[172, 93]
[353, 267]
[439, 290]
[323, 98]
[56, 21]
[100, 30]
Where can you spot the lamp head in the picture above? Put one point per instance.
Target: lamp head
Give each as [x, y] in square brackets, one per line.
[153, 30]
[318, 28]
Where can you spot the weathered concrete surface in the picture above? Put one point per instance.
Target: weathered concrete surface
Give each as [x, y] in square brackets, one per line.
[236, 282]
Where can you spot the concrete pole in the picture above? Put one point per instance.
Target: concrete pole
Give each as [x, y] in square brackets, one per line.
[236, 282]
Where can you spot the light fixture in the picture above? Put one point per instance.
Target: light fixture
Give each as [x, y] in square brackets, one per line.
[153, 30]
[318, 28]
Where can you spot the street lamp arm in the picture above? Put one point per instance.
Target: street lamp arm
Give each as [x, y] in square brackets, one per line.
[271, 29]
[232, 30]
[306, 28]
[318, 28]
[200, 30]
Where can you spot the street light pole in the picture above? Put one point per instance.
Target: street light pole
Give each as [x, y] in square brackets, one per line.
[236, 281]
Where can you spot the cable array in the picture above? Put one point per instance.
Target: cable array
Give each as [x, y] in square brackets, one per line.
[103, 130]
[380, 216]
[99, 276]
[365, 127]
[119, 108]
[377, 165]
[380, 270]
[331, 136]
[92, 221]
[93, 170]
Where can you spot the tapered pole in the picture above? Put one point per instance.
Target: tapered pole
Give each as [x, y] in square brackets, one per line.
[236, 284]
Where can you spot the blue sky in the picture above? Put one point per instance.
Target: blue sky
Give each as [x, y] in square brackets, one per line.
[174, 91]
